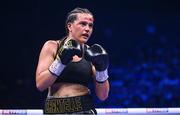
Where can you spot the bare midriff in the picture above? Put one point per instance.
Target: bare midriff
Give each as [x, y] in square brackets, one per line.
[67, 90]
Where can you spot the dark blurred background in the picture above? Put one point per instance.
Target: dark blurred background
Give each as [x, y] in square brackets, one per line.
[142, 38]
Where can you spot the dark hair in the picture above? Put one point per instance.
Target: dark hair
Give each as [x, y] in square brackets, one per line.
[72, 16]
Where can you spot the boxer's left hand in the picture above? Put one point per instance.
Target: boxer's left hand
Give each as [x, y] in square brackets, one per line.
[99, 58]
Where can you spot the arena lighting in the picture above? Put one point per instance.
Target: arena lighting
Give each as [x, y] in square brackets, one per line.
[124, 111]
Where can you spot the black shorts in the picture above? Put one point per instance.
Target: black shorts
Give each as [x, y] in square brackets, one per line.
[68, 105]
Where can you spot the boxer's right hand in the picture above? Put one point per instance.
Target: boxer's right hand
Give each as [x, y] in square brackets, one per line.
[65, 55]
[68, 50]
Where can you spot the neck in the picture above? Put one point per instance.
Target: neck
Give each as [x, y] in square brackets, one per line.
[70, 37]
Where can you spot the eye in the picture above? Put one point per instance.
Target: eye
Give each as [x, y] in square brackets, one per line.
[91, 25]
[83, 23]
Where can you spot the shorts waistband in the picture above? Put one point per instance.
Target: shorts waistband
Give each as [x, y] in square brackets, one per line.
[68, 104]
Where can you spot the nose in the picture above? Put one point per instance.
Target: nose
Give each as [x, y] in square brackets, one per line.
[87, 28]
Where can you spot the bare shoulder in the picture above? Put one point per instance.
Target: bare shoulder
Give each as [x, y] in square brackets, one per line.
[51, 43]
[50, 46]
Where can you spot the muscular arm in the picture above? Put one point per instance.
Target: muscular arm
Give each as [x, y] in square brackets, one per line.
[101, 89]
[44, 78]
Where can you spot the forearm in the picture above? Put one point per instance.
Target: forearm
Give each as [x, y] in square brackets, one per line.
[44, 80]
[99, 58]
[102, 90]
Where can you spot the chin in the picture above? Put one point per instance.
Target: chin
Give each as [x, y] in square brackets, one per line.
[83, 40]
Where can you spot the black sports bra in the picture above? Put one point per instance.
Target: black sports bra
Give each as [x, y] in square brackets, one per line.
[77, 72]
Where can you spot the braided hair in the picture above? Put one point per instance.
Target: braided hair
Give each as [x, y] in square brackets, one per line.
[72, 16]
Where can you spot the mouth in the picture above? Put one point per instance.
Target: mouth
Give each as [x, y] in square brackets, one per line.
[85, 35]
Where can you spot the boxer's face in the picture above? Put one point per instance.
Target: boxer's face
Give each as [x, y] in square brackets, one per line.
[81, 29]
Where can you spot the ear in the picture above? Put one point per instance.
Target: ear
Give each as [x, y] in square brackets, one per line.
[69, 25]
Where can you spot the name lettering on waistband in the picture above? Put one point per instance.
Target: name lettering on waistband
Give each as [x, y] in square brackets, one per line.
[64, 105]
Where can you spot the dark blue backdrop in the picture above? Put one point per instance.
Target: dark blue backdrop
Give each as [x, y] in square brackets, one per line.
[141, 37]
